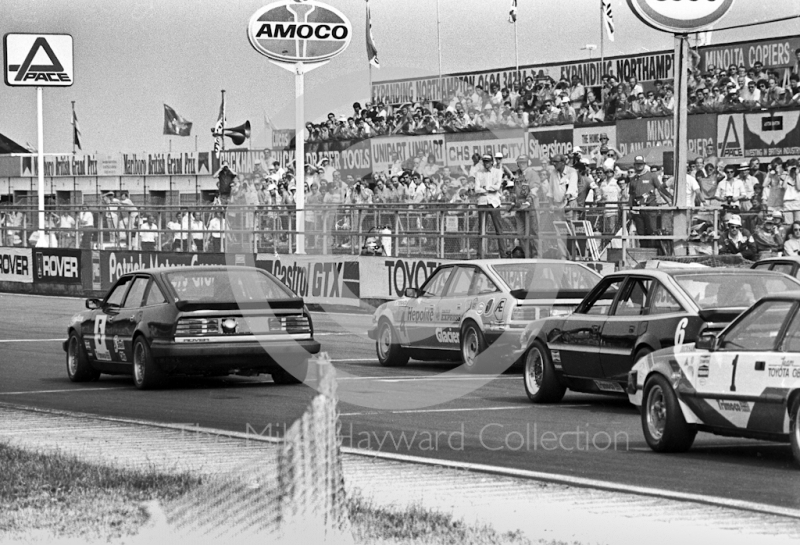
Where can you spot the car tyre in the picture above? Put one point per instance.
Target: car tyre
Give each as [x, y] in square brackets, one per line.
[146, 376]
[665, 428]
[473, 344]
[78, 367]
[541, 383]
[794, 428]
[387, 347]
[297, 375]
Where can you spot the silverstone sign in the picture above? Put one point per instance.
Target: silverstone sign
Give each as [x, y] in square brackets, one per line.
[38, 60]
[680, 16]
[291, 31]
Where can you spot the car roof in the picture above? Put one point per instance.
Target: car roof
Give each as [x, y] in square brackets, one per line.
[663, 274]
[795, 259]
[785, 296]
[187, 268]
[515, 261]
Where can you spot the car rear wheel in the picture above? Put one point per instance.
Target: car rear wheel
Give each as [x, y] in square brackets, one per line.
[296, 373]
[390, 353]
[78, 367]
[146, 376]
[472, 346]
[794, 427]
[665, 429]
[541, 382]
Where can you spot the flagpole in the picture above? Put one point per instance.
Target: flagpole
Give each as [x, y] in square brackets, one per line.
[516, 51]
[73, 127]
[224, 114]
[439, 44]
[602, 41]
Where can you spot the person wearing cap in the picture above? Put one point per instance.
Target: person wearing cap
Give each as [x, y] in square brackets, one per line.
[732, 190]
[566, 114]
[737, 240]
[642, 189]
[750, 183]
[488, 181]
[767, 235]
[111, 217]
[325, 170]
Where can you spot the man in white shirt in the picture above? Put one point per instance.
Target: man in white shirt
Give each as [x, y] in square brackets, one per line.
[731, 190]
[86, 226]
[487, 186]
[66, 236]
[148, 234]
[216, 227]
[198, 232]
[175, 227]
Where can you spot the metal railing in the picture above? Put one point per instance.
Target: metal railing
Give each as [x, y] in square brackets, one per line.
[404, 230]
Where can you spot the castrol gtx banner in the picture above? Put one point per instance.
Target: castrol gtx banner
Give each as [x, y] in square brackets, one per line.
[16, 265]
[332, 280]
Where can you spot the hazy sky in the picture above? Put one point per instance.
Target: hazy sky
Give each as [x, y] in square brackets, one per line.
[133, 56]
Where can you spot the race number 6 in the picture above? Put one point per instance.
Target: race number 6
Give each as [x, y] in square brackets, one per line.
[680, 331]
[100, 331]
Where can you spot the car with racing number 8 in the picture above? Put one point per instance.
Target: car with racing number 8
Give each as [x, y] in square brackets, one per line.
[464, 308]
[743, 381]
[210, 321]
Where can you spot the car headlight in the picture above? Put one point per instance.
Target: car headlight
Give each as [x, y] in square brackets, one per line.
[633, 377]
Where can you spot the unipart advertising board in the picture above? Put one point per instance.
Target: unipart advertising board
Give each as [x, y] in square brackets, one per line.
[388, 149]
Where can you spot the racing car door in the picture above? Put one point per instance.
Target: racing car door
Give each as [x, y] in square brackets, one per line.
[750, 368]
[628, 320]
[576, 345]
[121, 326]
[468, 289]
[416, 321]
[96, 330]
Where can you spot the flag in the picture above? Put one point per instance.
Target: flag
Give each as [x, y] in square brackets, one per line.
[175, 124]
[512, 14]
[76, 131]
[219, 127]
[704, 37]
[372, 51]
[608, 19]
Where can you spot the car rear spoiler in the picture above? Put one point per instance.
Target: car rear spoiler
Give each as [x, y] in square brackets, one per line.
[549, 294]
[188, 306]
[718, 318]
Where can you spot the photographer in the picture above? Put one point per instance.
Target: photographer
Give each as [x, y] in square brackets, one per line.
[731, 191]
[737, 240]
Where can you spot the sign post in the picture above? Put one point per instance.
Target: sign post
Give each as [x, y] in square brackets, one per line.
[299, 36]
[680, 17]
[20, 52]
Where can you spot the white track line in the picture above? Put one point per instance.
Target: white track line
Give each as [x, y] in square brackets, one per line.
[482, 468]
[467, 409]
[30, 340]
[98, 389]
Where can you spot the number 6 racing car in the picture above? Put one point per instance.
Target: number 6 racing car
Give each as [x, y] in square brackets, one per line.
[743, 382]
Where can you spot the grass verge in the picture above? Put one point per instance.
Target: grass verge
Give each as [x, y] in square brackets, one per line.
[59, 495]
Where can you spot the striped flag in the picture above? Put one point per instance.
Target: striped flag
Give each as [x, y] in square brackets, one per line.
[608, 19]
[219, 127]
[512, 14]
[76, 131]
[175, 124]
[372, 51]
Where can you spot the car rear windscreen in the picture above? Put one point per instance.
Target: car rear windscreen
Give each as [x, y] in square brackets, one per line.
[220, 286]
[710, 290]
[546, 276]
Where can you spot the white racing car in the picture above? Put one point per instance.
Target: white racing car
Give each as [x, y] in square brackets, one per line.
[744, 381]
[465, 307]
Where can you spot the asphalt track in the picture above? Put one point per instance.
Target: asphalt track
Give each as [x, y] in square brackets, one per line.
[586, 436]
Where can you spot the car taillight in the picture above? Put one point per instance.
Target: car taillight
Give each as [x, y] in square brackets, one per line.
[196, 326]
[526, 313]
[291, 324]
[562, 310]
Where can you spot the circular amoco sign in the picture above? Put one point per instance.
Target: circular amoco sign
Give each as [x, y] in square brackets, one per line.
[299, 31]
[680, 16]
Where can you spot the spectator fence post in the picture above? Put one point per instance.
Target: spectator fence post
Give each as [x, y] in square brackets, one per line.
[440, 217]
[625, 235]
[715, 238]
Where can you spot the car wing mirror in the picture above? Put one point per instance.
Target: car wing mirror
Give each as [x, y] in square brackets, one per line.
[707, 341]
[93, 304]
[412, 292]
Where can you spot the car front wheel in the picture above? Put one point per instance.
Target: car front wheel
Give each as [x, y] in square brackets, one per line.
[78, 367]
[146, 375]
[665, 428]
[794, 424]
[390, 353]
[541, 382]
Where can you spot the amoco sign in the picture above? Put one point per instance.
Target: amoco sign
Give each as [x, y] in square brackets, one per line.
[293, 31]
[680, 16]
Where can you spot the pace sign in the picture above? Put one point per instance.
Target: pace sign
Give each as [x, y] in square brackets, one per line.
[680, 16]
[294, 31]
[38, 60]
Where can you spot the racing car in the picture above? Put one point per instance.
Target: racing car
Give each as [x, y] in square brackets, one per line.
[208, 321]
[629, 315]
[787, 265]
[464, 307]
[744, 381]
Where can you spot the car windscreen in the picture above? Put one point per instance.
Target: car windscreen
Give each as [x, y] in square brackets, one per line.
[220, 286]
[715, 290]
[546, 277]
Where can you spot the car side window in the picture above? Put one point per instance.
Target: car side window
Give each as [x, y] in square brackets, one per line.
[462, 280]
[759, 327]
[603, 297]
[117, 293]
[663, 302]
[154, 296]
[481, 284]
[434, 287]
[136, 293]
[791, 340]
[785, 268]
[762, 267]
[634, 299]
